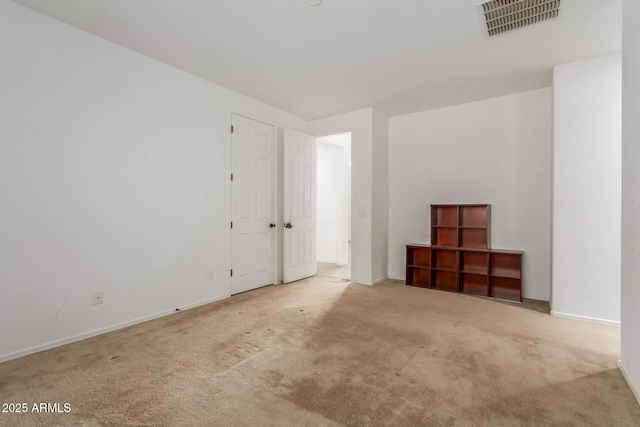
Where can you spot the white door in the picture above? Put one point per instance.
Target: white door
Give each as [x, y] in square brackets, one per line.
[253, 222]
[299, 206]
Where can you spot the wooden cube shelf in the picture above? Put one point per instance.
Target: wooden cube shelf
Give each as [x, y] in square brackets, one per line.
[465, 226]
[460, 258]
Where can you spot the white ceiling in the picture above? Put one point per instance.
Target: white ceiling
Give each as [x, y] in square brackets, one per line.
[399, 56]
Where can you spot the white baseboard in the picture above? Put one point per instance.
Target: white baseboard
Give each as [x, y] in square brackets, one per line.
[380, 280]
[627, 378]
[90, 334]
[586, 318]
[536, 298]
[201, 303]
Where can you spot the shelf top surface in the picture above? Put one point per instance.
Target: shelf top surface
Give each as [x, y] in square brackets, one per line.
[418, 245]
[506, 251]
[464, 205]
[459, 248]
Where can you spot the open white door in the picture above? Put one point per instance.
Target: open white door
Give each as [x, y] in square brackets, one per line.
[299, 206]
[253, 228]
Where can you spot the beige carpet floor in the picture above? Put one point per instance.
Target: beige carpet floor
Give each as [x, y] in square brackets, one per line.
[334, 271]
[324, 352]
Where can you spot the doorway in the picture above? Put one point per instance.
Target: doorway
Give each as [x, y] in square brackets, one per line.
[333, 206]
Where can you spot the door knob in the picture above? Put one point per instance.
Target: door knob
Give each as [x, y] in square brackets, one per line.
[288, 225]
[271, 225]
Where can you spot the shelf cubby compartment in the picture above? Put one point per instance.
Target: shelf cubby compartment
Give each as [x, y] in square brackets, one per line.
[419, 276]
[444, 236]
[506, 275]
[474, 262]
[475, 216]
[419, 255]
[444, 259]
[445, 280]
[475, 238]
[418, 263]
[506, 264]
[506, 288]
[444, 215]
[474, 284]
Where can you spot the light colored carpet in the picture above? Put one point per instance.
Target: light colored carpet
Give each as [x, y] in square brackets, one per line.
[334, 271]
[325, 353]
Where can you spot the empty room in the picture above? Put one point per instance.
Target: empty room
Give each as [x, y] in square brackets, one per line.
[319, 213]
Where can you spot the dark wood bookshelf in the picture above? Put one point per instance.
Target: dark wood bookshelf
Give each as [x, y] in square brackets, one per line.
[460, 258]
[465, 226]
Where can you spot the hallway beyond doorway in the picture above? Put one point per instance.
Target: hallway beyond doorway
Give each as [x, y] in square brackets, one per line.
[335, 271]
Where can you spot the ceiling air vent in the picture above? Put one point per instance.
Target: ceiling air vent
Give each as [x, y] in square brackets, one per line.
[507, 15]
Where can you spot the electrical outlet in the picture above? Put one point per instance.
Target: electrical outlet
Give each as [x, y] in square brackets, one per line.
[210, 277]
[98, 297]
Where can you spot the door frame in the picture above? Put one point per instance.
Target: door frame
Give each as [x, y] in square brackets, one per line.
[276, 186]
[347, 202]
[351, 236]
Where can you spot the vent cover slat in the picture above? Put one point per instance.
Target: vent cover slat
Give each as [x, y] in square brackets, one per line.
[506, 15]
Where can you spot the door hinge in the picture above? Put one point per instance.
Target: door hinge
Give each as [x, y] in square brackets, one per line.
[231, 128]
[231, 273]
[231, 177]
[231, 224]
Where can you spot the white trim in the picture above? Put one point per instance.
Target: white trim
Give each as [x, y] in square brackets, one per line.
[535, 297]
[228, 236]
[276, 203]
[630, 383]
[380, 280]
[201, 303]
[585, 318]
[361, 283]
[85, 335]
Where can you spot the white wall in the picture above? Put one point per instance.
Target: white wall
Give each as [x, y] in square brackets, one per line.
[113, 177]
[329, 180]
[586, 189]
[630, 363]
[344, 202]
[367, 143]
[495, 151]
[380, 188]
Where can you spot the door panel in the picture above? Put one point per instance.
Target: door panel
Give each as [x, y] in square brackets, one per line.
[299, 205]
[253, 194]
